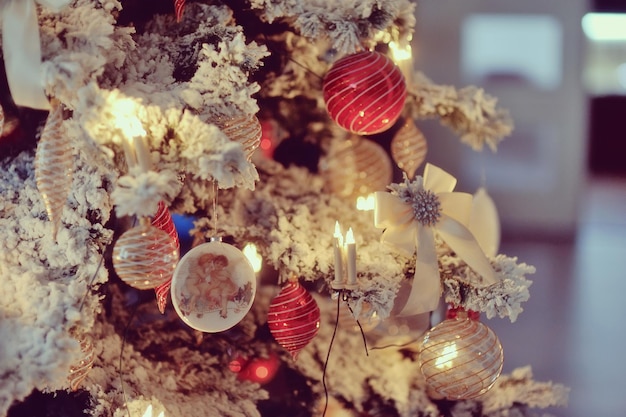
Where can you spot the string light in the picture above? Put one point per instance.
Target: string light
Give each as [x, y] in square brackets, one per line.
[365, 203]
[253, 256]
[149, 412]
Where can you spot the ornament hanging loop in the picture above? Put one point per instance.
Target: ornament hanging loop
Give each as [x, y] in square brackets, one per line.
[215, 191]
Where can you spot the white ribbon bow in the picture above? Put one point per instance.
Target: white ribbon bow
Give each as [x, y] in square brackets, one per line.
[411, 215]
[22, 51]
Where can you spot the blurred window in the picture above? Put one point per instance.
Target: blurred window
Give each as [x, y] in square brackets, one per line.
[512, 48]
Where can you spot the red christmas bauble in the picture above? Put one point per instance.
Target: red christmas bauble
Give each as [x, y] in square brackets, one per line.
[179, 9]
[293, 318]
[163, 220]
[364, 92]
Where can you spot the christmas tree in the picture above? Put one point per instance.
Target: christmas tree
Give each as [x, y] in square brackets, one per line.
[250, 122]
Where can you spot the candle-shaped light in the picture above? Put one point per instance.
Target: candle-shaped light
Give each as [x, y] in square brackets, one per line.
[142, 151]
[133, 141]
[365, 203]
[253, 256]
[350, 250]
[338, 250]
[402, 55]
[150, 412]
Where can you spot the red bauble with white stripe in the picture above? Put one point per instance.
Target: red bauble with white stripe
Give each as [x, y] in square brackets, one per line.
[364, 92]
[163, 221]
[293, 318]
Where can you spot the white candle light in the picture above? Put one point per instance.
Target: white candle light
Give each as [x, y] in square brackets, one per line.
[143, 152]
[403, 57]
[350, 250]
[365, 203]
[253, 256]
[338, 249]
[134, 140]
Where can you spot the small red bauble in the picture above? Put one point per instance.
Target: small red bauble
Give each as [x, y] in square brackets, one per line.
[293, 318]
[179, 9]
[364, 92]
[163, 220]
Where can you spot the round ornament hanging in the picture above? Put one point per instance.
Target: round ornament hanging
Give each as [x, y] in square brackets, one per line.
[356, 168]
[460, 358]
[408, 148]
[364, 92]
[213, 287]
[293, 318]
[144, 257]
[245, 129]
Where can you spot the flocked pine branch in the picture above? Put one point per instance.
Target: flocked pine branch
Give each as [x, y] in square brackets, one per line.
[469, 112]
[47, 282]
[346, 26]
[503, 299]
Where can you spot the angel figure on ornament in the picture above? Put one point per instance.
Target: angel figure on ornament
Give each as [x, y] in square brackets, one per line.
[210, 285]
[220, 289]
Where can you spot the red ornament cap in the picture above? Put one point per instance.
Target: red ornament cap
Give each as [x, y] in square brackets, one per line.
[364, 92]
[459, 312]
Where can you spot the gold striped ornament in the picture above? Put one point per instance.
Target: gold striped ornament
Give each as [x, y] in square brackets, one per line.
[460, 358]
[245, 129]
[79, 372]
[409, 148]
[356, 168]
[53, 166]
[145, 257]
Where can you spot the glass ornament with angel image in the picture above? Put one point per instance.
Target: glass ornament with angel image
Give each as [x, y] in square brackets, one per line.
[213, 287]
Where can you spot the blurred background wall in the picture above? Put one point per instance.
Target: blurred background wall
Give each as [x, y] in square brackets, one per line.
[559, 182]
[563, 89]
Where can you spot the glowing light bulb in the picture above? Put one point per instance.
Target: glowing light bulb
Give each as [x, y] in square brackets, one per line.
[365, 203]
[134, 136]
[148, 412]
[262, 372]
[124, 111]
[402, 55]
[253, 256]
